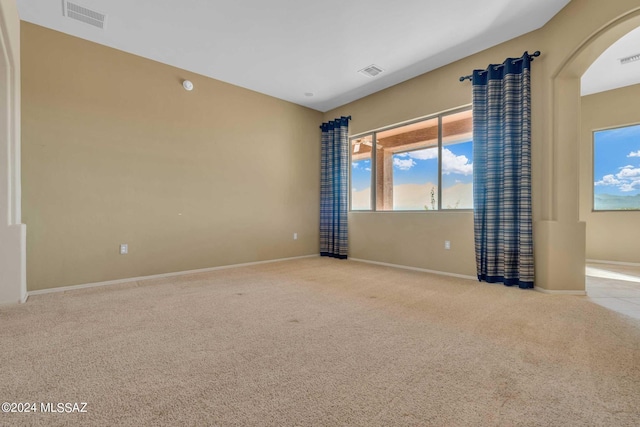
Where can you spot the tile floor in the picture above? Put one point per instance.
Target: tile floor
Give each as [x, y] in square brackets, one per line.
[616, 287]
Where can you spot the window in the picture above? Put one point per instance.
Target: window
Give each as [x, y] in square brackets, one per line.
[424, 165]
[361, 173]
[616, 169]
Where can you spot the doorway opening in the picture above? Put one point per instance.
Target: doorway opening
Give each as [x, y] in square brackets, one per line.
[609, 147]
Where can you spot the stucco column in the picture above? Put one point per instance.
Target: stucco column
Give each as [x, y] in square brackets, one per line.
[560, 238]
[12, 231]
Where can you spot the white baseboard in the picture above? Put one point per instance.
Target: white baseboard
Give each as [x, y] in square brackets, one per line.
[423, 270]
[599, 261]
[158, 276]
[551, 292]
[223, 267]
[462, 276]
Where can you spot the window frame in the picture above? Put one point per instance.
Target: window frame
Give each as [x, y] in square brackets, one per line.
[373, 134]
[372, 178]
[593, 168]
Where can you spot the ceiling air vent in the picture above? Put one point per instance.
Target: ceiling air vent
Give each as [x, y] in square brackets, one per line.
[629, 59]
[88, 16]
[371, 71]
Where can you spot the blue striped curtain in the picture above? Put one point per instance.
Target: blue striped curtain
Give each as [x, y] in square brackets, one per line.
[334, 187]
[502, 173]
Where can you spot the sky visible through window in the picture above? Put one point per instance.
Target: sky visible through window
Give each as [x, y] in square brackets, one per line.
[402, 162]
[616, 169]
[459, 168]
[416, 167]
[420, 167]
[360, 174]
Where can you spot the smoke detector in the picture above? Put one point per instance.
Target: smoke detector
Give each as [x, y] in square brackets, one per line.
[82, 14]
[371, 71]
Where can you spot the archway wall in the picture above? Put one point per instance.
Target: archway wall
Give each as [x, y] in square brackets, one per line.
[561, 232]
[12, 231]
[569, 43]
[573, 44]
[611, 236]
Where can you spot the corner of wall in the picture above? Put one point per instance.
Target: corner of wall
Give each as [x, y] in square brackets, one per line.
[12, 232]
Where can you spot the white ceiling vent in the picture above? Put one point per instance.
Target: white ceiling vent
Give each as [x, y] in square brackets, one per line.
[629, 59]
[371, 71]
[88, 16]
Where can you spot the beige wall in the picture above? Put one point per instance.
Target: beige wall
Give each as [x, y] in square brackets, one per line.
[414, 239]
[159, 151]
[611, 236]
[421, 243]
[569, 43]
[12, 231]
[116, 151]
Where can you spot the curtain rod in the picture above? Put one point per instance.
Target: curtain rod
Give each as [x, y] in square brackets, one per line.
[339, 118]
[531, 57]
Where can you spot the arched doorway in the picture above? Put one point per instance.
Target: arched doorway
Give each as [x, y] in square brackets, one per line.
[560, 232]
[609, 196]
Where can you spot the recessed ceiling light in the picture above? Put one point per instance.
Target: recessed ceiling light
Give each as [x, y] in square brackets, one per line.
[308, 94]
[629, 59]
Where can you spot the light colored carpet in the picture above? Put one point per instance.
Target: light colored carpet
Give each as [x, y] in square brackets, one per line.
[320, 342]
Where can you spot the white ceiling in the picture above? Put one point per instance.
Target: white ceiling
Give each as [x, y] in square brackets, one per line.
[607, 72]
[288, 48]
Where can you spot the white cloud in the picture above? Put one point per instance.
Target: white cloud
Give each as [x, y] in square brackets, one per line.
[608, 180]
[367, 169]
[455, 164]
[357, 163]
[628, 179]
[450, 162]
[424, 154]
[628, 172]
[403, 165]
[632, 186]
[634, 154]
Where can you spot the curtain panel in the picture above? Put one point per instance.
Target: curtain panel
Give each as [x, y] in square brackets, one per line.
[502, 173]
[334, 188]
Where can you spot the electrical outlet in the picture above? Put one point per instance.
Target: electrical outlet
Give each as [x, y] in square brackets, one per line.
[447, 244]
[295, 236]
[124, 249]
